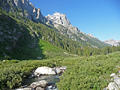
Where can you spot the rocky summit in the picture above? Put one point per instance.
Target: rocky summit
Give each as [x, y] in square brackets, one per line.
[58, 19]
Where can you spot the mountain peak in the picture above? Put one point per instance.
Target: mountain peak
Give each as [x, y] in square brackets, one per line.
[91, 35]
[58, 13]
[58, 18]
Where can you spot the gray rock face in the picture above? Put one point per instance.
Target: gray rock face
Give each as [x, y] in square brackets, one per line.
[117, 81]
[113, 42]
[58, 18]
[115, 84]
[63, 25]
[24, 7]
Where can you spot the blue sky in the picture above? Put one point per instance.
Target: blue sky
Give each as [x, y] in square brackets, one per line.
[98, 17]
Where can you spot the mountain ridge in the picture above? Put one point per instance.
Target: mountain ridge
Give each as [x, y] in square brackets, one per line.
[65, 36]
[63, 25]
[113, 42]
[24, 8]
[60, 21]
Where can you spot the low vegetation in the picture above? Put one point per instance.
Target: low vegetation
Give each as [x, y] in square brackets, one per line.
[89, 73]
[13, 72]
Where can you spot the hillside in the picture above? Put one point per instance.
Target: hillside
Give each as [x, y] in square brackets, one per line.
[20, 38]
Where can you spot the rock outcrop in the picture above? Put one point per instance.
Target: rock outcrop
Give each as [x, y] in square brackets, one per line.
[24, 8]
[115, 82]
[59, 20]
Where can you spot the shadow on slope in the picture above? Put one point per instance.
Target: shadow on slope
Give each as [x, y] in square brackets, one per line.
[17, 41]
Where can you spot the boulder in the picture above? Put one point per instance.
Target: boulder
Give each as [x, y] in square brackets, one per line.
[39, 88]
[27, 89]
[112, 75]
[112, 86]
[58, 70]
[117, 81]
[63, 68]
[24, 89]
[20, 89]
[41, 84]
[44, 71]
[51, 87]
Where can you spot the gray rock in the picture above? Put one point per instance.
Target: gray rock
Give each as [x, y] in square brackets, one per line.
[63, 68]
[113, 42]
[58, 70]
[58, 18]
[39, 88]
[24, 89]
[27, 89]
[44, 71]
[117, 81]
[112, 75]
[27, 9]
[41, 83]
[112, 86]
[63, 25]
[51, 87]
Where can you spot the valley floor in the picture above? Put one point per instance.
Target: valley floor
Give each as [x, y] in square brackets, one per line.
[83, 73]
